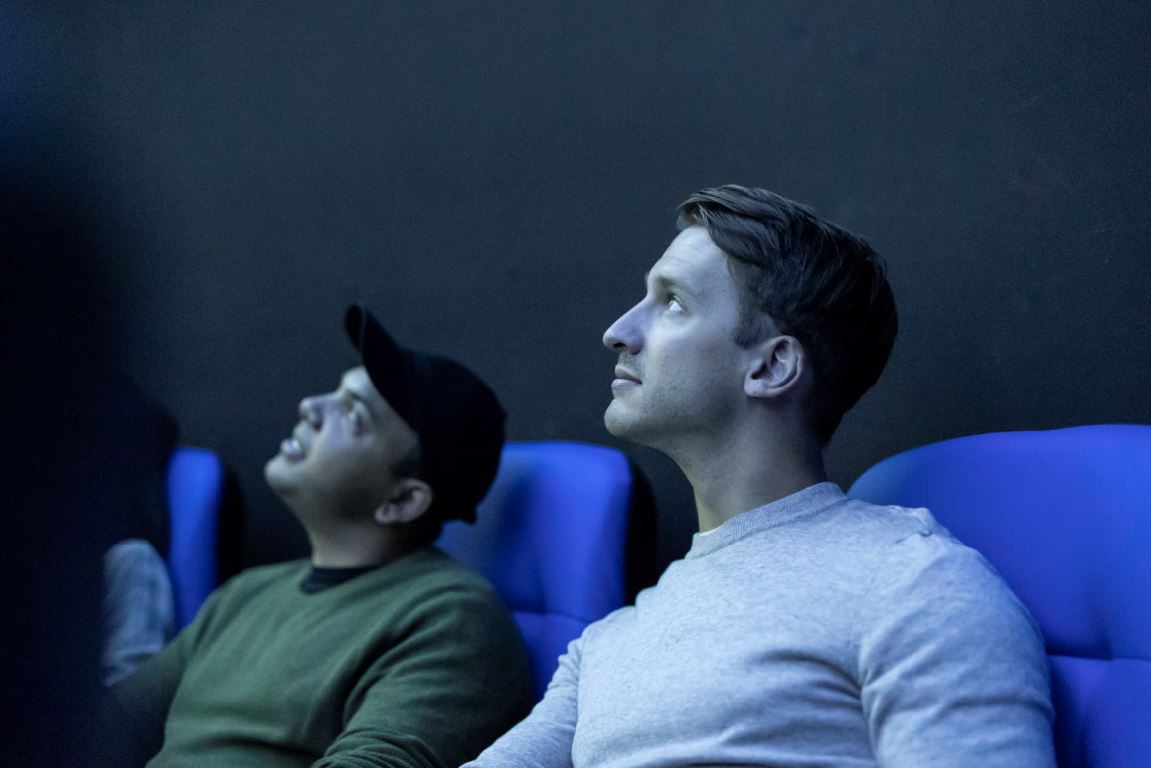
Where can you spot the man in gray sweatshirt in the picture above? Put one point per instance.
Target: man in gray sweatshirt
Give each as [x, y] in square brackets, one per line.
[802, 629]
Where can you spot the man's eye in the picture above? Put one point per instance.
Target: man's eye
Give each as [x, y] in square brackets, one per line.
[673, 303]
[356, 419]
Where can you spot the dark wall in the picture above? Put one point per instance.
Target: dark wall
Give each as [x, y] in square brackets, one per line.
[77, 471]
[495, 179]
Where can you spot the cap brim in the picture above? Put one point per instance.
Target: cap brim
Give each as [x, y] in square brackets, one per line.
[385, 361]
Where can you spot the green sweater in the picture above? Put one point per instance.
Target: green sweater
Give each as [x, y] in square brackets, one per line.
[416, 663]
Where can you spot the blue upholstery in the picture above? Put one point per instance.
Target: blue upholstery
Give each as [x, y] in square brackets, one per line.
[1065, 517]
[195, 489]
[552, 536]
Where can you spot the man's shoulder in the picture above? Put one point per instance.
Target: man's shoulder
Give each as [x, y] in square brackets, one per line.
[907, 539]
[887, 550]
[917, 560]
[261, 578]
[435, 571]
[888, 524]
[429, 592]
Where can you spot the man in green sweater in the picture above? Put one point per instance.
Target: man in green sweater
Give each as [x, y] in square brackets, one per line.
[380, 650]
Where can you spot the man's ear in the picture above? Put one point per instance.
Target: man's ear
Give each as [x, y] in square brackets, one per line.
[409, 499]
[778, 366]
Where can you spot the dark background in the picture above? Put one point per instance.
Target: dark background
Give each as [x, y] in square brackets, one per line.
[494, 179]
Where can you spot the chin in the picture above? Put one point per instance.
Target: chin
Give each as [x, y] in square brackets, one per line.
[641, 429]
[618, 421]
[276, 473]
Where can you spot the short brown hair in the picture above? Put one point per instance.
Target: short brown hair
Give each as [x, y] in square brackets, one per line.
[815, 280]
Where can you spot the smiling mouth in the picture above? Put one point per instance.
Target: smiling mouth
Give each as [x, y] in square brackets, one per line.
[292, 449]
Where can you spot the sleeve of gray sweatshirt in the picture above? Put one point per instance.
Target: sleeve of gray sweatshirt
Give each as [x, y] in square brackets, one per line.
[544, 738]
[952, 670]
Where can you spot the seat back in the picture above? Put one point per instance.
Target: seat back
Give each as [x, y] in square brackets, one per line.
[195, 491]
[1065, 517]
[552, 536]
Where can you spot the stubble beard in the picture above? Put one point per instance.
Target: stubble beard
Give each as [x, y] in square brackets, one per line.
[633, 423]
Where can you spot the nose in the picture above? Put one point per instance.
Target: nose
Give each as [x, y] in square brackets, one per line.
[311, 412]
[624, 334]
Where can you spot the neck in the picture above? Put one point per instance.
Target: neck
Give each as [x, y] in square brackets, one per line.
[353, 546]
[749, 469]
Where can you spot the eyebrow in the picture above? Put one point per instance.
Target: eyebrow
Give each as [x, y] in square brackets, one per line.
[665, 282]
[359, 396]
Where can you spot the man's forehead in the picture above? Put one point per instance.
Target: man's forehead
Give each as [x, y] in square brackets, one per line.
[692, 258]
[357, 381]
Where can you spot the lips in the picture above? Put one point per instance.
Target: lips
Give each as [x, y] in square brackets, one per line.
[623, 374]
[293, 448]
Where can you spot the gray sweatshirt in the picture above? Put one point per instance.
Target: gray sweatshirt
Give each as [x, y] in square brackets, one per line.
[813, 631]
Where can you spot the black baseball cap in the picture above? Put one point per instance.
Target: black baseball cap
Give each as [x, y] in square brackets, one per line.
[456, 416]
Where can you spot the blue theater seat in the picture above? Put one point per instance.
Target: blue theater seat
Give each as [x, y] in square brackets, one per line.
[1065, 517]
[553, 537]
[195, 494]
